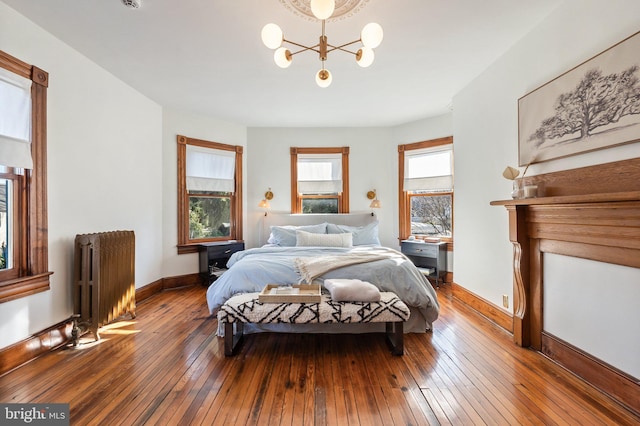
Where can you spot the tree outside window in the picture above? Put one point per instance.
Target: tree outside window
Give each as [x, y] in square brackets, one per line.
[431, 214]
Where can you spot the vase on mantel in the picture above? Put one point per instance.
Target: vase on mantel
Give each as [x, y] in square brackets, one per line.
[518, 191]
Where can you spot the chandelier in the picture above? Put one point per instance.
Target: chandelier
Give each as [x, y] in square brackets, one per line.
[370, 38]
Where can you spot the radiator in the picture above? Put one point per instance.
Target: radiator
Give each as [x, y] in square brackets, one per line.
[104, 280]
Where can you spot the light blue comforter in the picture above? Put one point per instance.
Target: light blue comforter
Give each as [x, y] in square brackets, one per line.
[251, 270]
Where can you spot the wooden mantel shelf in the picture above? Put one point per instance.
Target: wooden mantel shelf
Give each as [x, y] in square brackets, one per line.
[572, 199]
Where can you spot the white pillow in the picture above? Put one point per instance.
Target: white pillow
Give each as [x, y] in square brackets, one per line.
[308, 239]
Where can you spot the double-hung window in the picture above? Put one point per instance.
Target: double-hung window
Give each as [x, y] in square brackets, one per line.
[23, 179]
[15, 158]
[210, 192]
[319, 180]
[426, 208]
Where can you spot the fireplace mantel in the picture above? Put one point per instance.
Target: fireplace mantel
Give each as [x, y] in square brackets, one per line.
[602, 227]
[590, 213]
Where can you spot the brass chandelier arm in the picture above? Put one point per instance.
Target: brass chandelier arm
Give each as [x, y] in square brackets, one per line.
[304, 48]
[342, 47]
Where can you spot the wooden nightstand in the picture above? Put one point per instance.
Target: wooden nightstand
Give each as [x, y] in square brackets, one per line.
[214, 258]
[430, 258]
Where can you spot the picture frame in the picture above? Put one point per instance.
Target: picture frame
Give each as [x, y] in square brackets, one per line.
[593, 106]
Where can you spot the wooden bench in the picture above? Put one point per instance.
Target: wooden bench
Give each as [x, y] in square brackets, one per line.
[247, 308]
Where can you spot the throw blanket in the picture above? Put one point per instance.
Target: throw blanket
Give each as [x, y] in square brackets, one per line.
[310, 268]
[347, 290]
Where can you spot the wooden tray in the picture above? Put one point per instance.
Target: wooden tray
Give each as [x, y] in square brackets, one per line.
[305, 293]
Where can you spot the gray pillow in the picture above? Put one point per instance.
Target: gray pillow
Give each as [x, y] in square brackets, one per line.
[362, 235]
[285, 236]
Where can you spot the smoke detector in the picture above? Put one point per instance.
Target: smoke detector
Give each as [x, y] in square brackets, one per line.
[132, 4]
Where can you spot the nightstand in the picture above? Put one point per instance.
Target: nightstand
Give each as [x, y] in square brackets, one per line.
[430, 258]
[214, 257]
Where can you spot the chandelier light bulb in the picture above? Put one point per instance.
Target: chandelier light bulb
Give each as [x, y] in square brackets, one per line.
[371, 35]
[272, 36]
[323, 78]
[282, 57]
[365, 57]
[323, 9]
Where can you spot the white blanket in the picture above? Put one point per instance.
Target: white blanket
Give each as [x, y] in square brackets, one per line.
[310, 268]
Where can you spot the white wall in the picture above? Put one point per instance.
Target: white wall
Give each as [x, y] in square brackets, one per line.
[486, 133]
[373, 164]
[104, 169]
[176, 123]
[269, 165]
[582, 303]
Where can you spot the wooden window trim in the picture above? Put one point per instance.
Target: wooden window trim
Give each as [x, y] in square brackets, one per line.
[404, 200]
[33, 235]
[185, 245]
[343, 198]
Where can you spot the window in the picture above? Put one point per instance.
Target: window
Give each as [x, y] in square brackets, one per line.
[209, 193]
[23, 179]
[320, 180]
[426, 189]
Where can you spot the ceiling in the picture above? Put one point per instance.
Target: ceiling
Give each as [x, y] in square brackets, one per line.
[207, 57]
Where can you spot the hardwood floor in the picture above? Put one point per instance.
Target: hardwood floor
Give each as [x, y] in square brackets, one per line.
[167, 367]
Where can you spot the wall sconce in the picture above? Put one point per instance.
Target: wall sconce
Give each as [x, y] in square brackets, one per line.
[265, 201]
[373, 196]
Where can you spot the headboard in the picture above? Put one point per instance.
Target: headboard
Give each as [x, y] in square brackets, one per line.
[282, 219]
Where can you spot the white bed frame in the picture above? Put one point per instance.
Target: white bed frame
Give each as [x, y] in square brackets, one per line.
[282, 219]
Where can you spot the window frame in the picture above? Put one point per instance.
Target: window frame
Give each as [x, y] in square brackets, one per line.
[343, 197]
[404, 197]
[185, 244]
[31, 235]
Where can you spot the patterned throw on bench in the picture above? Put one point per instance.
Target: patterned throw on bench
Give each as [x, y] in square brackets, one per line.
[246, 308]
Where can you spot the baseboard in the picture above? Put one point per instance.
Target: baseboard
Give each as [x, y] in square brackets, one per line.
[60, 334]
[181, 281]
[617, 384]
[494, 313]
[32, 347]
[167, 283]
[149, 290]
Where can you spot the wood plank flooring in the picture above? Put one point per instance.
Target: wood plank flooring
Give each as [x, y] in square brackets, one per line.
[167, 367]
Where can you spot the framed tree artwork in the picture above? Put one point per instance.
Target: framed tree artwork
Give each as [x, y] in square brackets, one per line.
[592, 106]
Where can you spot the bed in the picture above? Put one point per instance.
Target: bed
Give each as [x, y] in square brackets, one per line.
[288, 240]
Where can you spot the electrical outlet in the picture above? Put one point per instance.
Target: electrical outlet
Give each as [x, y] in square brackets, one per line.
[505, 300]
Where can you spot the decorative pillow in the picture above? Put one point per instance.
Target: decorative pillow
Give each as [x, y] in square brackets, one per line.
[362, 235]
[285, 236]
[307, 239]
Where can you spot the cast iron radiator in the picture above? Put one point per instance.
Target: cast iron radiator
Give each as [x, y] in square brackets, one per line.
[104, 280]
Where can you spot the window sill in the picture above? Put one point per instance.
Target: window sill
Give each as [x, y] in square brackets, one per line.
[24, 286]
[193, 247]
